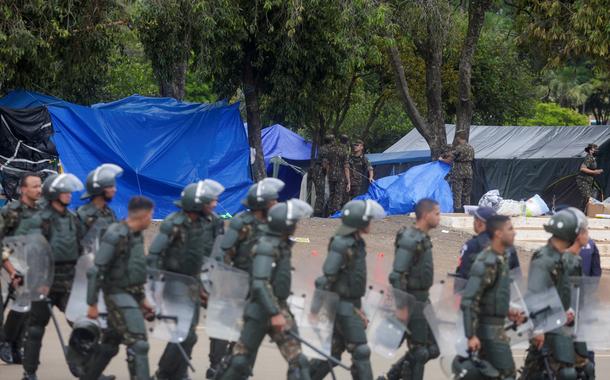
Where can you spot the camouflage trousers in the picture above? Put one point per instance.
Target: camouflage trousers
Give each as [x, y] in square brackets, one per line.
[557, 356]
[319, 181]
[252, 335]
[586, 189]
[337, 189]
[462, 189]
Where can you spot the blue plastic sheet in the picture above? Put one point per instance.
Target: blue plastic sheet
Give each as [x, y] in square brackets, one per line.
[398, 194]
[161, 151]
[280, 141]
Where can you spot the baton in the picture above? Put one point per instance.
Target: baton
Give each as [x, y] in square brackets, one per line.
[317, 350]
[185, 356]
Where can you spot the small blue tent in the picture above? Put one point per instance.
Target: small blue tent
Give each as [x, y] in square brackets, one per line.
[162, 144]
[294, 150]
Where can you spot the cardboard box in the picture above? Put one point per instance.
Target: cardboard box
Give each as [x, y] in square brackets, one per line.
[597, 208]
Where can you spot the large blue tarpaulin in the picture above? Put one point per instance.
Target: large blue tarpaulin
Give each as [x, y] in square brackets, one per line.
[398, 194]
[162, 144]
[279, 141]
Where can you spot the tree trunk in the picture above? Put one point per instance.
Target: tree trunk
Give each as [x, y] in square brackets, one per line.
[174, 87]
[253, 116]
[476, 19]
[375, 110]
[433, 56]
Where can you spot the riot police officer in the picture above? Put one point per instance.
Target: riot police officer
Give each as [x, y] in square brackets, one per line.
[547, 270]
[267, 312]
[185, 238]
[344, 273]
[101, 188]
[120, 271]
[413, 272]
[62, 230]
[486, 300]
[17, 219]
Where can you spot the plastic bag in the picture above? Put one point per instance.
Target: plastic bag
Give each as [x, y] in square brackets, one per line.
[491, 199]
[535, 206]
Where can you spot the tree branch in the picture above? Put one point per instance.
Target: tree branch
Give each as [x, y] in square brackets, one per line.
[342, 113]
[375, 110]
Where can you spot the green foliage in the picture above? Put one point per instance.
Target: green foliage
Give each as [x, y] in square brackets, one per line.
[554, 115]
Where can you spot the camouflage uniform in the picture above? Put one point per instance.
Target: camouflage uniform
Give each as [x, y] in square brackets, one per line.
[461, 175]
[17, 220]
[63, 231]
[120, 271]
[338, 162]
[180, 247]
[89, 214]
[319, 173]
[585, 181]
[485, 304]
[359, 167]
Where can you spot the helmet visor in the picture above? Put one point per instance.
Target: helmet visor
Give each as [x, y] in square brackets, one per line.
[297, 209]
[268, 188]
[107, 171]
[372, 210]
[209, 188]
[66, 183]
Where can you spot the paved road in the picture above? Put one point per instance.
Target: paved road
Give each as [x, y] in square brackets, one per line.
[270, 364]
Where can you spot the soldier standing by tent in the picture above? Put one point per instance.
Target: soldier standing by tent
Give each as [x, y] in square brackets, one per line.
[120, 271]
[547, 270]
[486, 303]
[185, 238]
[267, 312]
[588, 170]
[361, 170]
[62, 229]
[320, 171]
[17, 217]
[461, 174]
[344, 273]
[338, 176]
[413, 272]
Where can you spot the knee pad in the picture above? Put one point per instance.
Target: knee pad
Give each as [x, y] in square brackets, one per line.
[568, 373]
[140, 347]
[433, 352]
[241, 363]
[589, 371]
[361, 352]
[300, 361]
[108, 350]
[35, 332]
[419, 354]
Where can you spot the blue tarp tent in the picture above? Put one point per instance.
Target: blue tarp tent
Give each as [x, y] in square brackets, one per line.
[279, 141]
[398, 194]
[161, 151]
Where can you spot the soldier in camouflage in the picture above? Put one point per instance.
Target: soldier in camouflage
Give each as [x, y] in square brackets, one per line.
[120, 272]
[62, 229]
[17, 219]
[486, 300]
[461, 174]
[101, 188]
[319, 175]
[361, 170]
[184, 240]
[413, 272]
[548, 270]
[344, 273]
[585, 178]
[267, 312]
[338, 176]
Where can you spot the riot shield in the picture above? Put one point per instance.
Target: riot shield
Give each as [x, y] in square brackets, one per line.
[77, 303]
[227, 301]
[91, 241]
[518, 334]
[174, 298]
[217, 252]
[545, 309]
[314, 313]
[446, 321]
[591, 304]
[31, 256]
[389, 320]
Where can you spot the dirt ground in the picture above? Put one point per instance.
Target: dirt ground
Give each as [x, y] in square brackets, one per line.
[307, 259]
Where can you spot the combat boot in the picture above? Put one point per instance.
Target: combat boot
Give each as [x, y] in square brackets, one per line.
[29, 376]
[6, 352]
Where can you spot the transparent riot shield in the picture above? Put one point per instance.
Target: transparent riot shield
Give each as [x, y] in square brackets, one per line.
[91, 241]
[389, 320]
[545, 309]
[519, 334]
[446, 321]
[227, 301]
[591, 304]
[77, 303]
[217, 252]
[174, 298]
[31, 256]
[314, 312]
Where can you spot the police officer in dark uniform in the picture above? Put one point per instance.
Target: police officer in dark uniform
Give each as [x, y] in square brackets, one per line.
[480, 242]
[17, 219]
[184, 240]
[413, 272]
[344, 273]
[267, 311]
[63, 231]
[120, 272]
